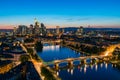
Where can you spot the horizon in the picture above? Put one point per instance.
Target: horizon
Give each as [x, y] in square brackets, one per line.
[63, 13]
[70, 27]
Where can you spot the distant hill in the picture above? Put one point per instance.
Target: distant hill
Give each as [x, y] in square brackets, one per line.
[6, 30]
[89, 29]
[74, 29]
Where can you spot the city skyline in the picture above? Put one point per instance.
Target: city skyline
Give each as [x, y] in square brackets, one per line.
[63, 13]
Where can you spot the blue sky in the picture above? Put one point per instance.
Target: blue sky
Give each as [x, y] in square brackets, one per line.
[64, 13]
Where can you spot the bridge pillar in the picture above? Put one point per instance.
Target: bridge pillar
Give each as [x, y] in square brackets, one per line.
[96, 60]
[70, 64]
[106, 58]
[56, 66]
[100, 60]
[111, 57]
[91, 61]
[83, 61]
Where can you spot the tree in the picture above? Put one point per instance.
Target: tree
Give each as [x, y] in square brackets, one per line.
[63, 42]
[24, 58]
[48, 75]
[29, 40]
[30, 51]
[39, 46]
[77, 46]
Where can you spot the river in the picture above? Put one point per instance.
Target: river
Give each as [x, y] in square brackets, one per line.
[102, 71]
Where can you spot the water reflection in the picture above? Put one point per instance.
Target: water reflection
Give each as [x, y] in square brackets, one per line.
[106, 65]
[57, 73]
[91, 66]
[101, 65]
[96, 67]
[52, 47]
[71, 71]
[68, 70]
[85, 69]
[81, 69]
[112, 65]
[117, 66]
[53, 52]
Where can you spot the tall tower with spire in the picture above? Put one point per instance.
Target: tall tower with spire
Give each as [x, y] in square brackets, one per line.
[35, 20]
[36, 27]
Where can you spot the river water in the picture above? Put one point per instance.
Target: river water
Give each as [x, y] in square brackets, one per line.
[102, 71]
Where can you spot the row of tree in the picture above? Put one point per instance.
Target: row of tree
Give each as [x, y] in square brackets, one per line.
[85, 48]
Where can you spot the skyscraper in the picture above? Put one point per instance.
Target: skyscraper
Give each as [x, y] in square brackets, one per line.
[63, 30]
[22, 29]
[31, 29]
[80, 31]
[14, 31]
[57, 30]
[37, 27]
[43, 29]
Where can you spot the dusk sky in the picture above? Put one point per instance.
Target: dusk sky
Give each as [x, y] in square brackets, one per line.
[63, 13]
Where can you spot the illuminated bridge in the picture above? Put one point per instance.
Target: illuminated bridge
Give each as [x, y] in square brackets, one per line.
[82, 59]
[51, 41]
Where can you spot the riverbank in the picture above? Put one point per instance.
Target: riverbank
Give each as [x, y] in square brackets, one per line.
[84, 48]
[115, 62]
[44, 72]
[77, 50]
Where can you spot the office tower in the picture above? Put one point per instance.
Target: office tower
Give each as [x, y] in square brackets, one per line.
[14, 31]
[37, 27]
[22, 29]
[57, 30]
[43, 29]
[80, 31]
[31, 29]
[63, 30]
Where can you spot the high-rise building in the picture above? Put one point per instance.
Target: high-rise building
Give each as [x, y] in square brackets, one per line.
[63, 30]
[22, 29]
[37, 27]
[43, 29]
[31, 29]
[14, 31]
[80, 31]
[57, 30]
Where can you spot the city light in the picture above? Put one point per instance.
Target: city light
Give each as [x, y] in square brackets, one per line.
[59, 39]
[110, 50]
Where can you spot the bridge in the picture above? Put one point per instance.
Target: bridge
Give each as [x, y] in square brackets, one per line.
[81, 59]
[51, 41]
